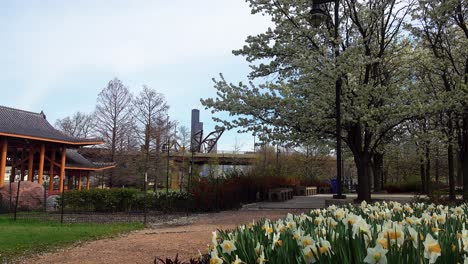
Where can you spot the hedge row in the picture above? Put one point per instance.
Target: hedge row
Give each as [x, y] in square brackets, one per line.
[123, 200]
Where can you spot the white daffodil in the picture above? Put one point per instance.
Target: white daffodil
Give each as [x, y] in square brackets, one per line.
[297, 234]
[290, 224]
[361, 227]
[214, 238]
[413, 236]
[325, 247]
[339, 214]
[395, 233]
[261, 259]
[432, 249]
[306, 241]
[214, 259]
[228, 246]
[267, 228]
[310, 253]
[276, 241]
[376, 255]
[259, 248]
[237, 260]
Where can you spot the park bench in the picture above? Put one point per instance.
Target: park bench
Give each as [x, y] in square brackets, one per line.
[280, 194]
[306, 190]
[324, 189]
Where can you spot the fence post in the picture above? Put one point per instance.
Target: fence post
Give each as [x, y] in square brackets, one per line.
[62, 205]
[45, 197]
[144, 198]
[17, 199]
[217, 194]
[10, 204]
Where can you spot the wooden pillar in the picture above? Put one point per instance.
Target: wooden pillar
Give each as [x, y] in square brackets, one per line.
[51, 170]
[41, 164]
[88, 182]
[30, 164]
[3, 162]
[79, 180]
[62, 168]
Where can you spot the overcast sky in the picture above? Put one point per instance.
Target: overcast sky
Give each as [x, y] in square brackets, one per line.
[56, 56]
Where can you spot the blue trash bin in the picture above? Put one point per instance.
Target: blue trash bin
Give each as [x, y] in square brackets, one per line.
[334, 185]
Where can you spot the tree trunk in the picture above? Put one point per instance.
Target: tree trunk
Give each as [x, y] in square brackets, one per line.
[459, 175]
[437, 165]
[464, 155]
[378, 170]
[451, 176]
[423, 177]
[363, 165]
[451, 170]
[428, 170]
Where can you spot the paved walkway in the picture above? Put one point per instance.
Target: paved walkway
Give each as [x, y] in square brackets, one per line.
[319, 201]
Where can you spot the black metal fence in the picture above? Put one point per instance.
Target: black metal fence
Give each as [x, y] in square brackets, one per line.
[27, 201]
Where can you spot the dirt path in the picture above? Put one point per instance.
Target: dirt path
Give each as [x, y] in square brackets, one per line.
[167, 240]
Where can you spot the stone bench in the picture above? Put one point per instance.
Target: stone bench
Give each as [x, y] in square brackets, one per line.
[280, 194]
[306, 190]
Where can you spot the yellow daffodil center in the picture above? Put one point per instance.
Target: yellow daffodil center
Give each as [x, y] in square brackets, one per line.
[392, 235]
[377, 256]
[383, 243]
[434, 248]
[227, 247]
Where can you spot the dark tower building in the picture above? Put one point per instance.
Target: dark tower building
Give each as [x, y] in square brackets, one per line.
[196, 126]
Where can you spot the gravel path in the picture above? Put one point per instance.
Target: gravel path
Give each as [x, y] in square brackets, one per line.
[184, 236]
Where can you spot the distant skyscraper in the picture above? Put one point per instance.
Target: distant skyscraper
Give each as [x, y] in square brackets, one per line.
[196, 126]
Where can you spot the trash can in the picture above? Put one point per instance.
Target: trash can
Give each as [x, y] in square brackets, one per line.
[334, 185]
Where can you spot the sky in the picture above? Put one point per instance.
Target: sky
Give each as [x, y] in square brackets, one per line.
[56, 56]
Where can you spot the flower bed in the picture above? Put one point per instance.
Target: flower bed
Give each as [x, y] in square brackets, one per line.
[377, 233]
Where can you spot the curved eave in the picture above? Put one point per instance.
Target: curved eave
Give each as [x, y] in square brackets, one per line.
[90, 168]
[74, 143]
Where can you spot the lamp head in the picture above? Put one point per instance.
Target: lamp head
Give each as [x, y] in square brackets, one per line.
[317, 15]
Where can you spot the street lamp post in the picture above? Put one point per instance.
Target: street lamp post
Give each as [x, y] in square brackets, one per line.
[317, 16]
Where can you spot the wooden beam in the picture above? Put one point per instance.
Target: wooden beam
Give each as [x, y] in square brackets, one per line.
[75, 143]
[53, 161]
[51, 170]
[41, 164]
[21, 162]
[79, 180]
[30, 164]
[88, 183]
[3, 162]
[62, 168]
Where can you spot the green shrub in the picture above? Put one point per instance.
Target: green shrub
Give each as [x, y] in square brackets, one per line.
[404, 187]
[123, 200]
[102, 200]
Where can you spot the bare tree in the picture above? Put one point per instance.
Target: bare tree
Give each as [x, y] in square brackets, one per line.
[114, 116]
[161, 133]
[79, 125]
[150, 106]
[184, 137]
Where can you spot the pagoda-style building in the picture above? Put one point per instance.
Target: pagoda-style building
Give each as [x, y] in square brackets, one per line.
[32, 148]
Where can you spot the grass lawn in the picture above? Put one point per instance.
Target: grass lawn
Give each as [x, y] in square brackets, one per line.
[26, 237]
